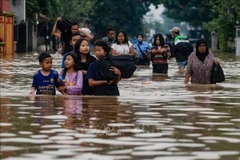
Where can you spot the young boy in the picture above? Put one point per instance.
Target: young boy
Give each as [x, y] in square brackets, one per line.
[110, 38]
[46, 79]
[75, 37]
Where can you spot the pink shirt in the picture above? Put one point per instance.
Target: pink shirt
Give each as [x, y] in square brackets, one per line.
[74, 82]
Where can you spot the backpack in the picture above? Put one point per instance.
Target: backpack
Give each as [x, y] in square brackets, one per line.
[183, 45]
[124, 63]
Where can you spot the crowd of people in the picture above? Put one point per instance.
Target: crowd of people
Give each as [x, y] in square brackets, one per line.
[81, 74]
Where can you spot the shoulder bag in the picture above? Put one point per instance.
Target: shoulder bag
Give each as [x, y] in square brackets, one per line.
[143, 54]
[217, 74]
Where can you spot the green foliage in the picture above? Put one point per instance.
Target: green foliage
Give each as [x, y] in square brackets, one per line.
[226, 15]
[31, 9]
[124, 15]
[217, 15]
[194, 12]
[75, 10]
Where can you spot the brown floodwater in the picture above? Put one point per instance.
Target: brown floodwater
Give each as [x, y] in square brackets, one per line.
[155, 117]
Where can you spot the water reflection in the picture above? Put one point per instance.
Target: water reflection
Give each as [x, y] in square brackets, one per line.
[156, 117]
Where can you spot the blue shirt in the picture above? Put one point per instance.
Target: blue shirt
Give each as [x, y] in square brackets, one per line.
[106, 89]
[145, 46]
[45, 84]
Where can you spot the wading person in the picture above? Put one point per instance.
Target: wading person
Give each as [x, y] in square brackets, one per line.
[122, 45]
[200, 64]
[45, 80]
[142, 48]
[71, 79]
[160, 53]
[182, 48]
[82, 49]
[96, 79]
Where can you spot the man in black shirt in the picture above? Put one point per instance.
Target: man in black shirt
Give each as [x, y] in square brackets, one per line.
[66, 34]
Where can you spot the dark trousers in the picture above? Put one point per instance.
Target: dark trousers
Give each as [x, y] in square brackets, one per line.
[143, 62]
[160, 68]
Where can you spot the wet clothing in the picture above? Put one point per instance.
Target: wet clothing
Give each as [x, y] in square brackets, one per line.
[66, 37]
[200, 71]
[87, 90]
[142, 51]
[74, 82]
[122, 49]
[160, 68]
[45, 84]
[182, 48]
[159, 61]
[106, 89]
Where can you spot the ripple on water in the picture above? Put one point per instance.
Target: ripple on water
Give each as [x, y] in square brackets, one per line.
[60, 138]
[58, 130]
[7, 135]
[151, 153]
[161, 146]
[10, 148]
[61, 117]
[146, 113]
[120, 125]
[25, 140]
[78, 135]
[235, 120]
[215, 123]
[2, 124]
[51, 126]
[228, 139]
[40, 136]
[25, 132]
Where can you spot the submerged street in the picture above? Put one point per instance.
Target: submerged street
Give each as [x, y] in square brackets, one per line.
[155, 117]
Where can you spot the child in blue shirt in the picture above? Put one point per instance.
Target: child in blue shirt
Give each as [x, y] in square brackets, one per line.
[46, 79]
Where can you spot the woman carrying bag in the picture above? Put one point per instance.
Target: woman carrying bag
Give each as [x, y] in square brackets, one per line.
[200, 64]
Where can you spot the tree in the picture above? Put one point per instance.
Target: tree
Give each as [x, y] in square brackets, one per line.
[218, 15]
[121, 14]
[226, 16]
[194, 12]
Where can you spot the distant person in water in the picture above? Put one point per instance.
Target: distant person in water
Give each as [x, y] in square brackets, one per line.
[45, 80]
[82, 49]
[142, 47]
[110, 38]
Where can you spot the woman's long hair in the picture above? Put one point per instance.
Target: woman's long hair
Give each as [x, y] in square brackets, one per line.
[125, 37]
[160, 38]
[77, 50]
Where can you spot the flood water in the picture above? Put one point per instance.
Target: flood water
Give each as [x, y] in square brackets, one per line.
[155, 117]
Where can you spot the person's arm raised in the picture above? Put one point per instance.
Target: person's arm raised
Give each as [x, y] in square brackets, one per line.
[88, 35]
[55, 32]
